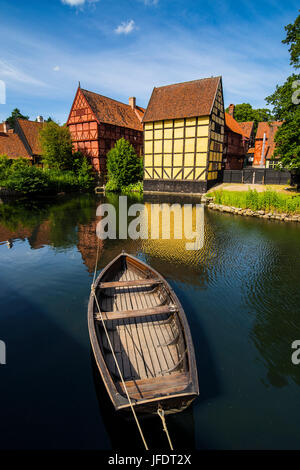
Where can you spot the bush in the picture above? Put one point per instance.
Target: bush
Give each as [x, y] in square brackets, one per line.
[4, 167]
[20, 176]
[69, 181]
[27, 179]
[56, 146]
[111, 186]
[133, 188]
[85, 175]
[124, 167]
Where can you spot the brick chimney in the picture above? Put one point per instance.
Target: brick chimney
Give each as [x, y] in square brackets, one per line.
[231, 110]
[132, 102]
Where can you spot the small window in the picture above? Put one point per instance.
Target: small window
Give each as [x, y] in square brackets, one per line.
[217, 128]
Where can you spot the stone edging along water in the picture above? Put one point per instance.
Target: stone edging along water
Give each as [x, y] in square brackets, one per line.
[249, 212]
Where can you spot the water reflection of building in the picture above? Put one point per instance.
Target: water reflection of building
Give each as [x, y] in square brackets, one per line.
[41, 235]
[173, 229]
[87, 244]
[7, 235]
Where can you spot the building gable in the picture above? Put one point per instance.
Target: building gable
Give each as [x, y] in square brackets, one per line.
[182, 100]
[183, 152]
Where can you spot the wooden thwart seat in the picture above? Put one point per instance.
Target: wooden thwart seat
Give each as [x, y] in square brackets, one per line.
[123, 314]
[135, 283]
[151, 386]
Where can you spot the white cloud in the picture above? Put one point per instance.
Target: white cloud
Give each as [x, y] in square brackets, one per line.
[125, 28]
[250, 72]
[13, 74]
[77, 3]
[56, 68]
[73, 3]
[150, 2]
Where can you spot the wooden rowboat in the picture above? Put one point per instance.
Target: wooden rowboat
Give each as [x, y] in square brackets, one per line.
[150, 336]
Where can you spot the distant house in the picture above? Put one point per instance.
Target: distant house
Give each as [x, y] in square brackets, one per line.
[248, 128]
[23, 141]
[236, 142]
[28, 131]
[97, 122]
[183, 136]
[265, 144]
[11, 144]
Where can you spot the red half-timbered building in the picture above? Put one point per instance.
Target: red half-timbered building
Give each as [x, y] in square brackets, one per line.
[97, 122]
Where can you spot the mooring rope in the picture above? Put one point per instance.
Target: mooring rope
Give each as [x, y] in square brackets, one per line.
[161, 414]
[114, 356]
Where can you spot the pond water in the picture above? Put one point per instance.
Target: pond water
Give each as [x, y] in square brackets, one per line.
[240, 292]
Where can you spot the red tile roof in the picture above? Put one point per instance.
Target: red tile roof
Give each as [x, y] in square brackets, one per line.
[113, 112]
[265, 127]
[233, 125]
[31, 131]
[181, 100]
[270, 129]
[12, 146]
[247, 127]
[139, 112]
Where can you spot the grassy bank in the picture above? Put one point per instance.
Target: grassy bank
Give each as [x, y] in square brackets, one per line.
[267, 200]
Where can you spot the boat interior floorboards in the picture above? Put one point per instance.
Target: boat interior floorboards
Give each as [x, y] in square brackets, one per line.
[146, 347]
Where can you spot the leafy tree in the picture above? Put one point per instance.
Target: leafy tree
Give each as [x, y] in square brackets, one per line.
[16, 114]
[293, 40]
[123, 165]
[56, 146]
[288, 143]
[284, 106]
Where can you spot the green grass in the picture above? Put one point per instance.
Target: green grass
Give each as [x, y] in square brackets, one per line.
[268, 200]
[137, 188]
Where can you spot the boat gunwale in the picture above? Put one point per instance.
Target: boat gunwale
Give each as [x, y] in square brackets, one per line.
[118, 400]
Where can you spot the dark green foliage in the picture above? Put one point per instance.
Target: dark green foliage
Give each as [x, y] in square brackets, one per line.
[284, 99]
[286, 106]
[56, 146]
[293, 39]
[4, 166]
[288, 143]
[124, 167]
[20, 176]
[16, 114]
[23, 177]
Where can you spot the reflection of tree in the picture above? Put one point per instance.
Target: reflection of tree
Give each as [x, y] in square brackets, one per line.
[61, 224]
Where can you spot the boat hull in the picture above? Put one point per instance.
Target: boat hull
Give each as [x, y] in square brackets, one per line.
[141, 339]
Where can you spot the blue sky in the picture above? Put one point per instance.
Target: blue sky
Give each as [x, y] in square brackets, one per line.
[125, 48]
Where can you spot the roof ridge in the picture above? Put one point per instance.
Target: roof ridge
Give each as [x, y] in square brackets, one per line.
[236, 123]
[188, 81]
[106, 97]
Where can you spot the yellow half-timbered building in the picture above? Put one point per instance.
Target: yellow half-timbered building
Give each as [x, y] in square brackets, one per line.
[183, 136]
